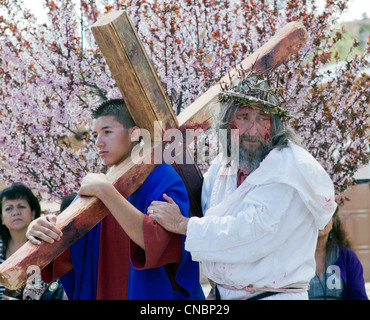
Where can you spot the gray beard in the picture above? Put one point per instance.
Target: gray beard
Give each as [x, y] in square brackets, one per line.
[250, 161]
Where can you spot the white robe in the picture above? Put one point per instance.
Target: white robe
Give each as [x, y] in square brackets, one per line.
[264, 232]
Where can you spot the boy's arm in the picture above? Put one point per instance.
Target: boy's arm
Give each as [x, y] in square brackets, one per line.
[58, 267]
[162, 247]
[128, 217]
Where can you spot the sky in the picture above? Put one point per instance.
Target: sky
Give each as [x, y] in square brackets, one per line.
[356, 9]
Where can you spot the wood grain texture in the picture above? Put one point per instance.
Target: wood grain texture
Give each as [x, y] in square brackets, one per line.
[133, 72]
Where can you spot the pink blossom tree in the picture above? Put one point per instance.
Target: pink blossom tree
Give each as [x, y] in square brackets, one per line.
[52, 74]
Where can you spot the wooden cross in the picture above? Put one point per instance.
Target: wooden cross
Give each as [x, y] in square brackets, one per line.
[147, 102]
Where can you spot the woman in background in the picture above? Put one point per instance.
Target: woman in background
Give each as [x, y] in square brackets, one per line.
[19, 207]
[339, 272]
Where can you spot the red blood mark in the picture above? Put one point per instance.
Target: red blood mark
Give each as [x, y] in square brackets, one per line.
[267, 132]
[242, 175]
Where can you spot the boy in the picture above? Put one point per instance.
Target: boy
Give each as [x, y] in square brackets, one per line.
[127, 255]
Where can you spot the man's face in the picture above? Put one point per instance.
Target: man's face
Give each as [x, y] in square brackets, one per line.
[112, 140]
[254, 128]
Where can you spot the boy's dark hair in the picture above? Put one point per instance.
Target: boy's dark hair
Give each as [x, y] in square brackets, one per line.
[67, 200]
[16, 191]
[116, 108]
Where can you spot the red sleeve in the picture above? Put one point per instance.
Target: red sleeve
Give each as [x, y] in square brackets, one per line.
[161, 247]
[57, 268]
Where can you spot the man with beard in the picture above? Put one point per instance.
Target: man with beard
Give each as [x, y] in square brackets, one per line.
[262, 208]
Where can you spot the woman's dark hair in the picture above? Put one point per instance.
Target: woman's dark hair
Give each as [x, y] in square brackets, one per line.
[16, 191]
[337, 236]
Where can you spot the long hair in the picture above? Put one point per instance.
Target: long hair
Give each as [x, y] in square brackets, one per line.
[281, 133]
[14, 192]
[337, 236]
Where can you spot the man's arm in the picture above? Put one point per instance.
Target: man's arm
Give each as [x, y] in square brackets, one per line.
[168, 215]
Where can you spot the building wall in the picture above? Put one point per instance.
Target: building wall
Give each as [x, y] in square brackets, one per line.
[355, 215]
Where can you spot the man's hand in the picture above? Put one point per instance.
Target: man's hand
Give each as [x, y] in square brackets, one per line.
[43, 229]
[168, 215]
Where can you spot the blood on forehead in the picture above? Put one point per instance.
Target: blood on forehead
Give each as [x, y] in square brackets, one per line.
[252, 122]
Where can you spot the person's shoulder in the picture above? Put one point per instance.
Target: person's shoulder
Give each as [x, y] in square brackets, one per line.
[164, 170]
[304, 161]
[349, 257]
[164, 175]
[348, 252]
[165, 179]
[301, 155]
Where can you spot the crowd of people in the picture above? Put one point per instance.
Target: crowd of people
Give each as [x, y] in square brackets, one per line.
[269, 228]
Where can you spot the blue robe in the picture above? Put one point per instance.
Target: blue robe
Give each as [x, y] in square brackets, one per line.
[81, 282]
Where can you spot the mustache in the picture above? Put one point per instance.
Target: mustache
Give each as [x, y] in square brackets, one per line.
[248, 138]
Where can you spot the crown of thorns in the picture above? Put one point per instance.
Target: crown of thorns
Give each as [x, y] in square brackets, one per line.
[253, 90]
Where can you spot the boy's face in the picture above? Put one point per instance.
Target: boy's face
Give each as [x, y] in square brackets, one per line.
[112, 140]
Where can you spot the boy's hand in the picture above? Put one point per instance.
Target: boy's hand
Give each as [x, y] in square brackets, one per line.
[43, 229]
[94, 184]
